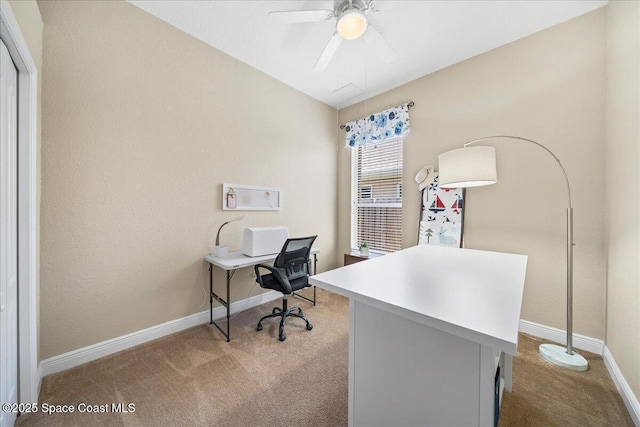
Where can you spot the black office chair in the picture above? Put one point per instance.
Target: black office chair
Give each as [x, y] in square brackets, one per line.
[290, 273]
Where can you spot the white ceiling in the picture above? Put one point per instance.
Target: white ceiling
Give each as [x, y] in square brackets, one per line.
[427, 35]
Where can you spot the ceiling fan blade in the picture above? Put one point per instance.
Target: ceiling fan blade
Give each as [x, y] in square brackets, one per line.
[372, 6]
[328, 52]
[295, 16]
[375, 6]
[374, 39]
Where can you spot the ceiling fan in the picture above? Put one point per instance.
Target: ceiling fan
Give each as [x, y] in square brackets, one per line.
[351, 23]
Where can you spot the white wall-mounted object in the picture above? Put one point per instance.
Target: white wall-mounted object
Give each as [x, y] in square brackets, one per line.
[259, 241]
[251, 198]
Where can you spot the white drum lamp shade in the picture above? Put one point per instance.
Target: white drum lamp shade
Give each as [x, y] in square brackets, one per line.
[467, 167]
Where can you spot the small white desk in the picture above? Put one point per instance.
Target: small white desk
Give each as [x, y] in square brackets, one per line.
[230, 263]
[426, 327]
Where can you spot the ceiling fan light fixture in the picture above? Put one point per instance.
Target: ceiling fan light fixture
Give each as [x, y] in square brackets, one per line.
[352, 24]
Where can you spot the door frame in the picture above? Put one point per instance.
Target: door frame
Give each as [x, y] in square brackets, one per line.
[11, 35]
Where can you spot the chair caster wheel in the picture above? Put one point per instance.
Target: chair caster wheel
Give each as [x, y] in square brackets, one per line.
[309, 326]
[259, 327]
[282, 337]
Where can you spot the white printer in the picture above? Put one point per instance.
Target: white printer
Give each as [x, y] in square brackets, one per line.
[258, 241]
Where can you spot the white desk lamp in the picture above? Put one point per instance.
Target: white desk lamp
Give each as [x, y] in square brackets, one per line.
[222, 250]
[476, 166]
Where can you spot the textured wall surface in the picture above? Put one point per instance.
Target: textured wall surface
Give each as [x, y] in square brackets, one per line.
[548, 87]
[623, 188]
[142, 124]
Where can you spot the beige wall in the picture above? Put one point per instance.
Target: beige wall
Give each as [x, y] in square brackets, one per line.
[623, 188]
[548, 87]
[28, 17]
[142, 124]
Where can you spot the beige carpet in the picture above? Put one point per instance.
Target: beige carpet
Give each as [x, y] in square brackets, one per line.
[547, 395]
[195, 378]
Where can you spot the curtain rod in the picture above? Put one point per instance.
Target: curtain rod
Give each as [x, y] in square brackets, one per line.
[409, 105]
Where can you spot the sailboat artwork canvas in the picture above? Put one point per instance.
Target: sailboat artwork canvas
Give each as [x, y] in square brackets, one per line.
[441, 216]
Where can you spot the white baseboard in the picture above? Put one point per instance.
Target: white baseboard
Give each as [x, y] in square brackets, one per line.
[581, 342]
[95, 351]
[630, 399]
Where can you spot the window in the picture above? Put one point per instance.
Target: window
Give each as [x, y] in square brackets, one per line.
[376, 195]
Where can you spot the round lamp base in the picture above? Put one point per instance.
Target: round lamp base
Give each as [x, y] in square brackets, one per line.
[558, 356]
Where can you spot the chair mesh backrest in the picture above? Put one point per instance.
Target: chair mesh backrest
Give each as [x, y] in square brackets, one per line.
[294, 256]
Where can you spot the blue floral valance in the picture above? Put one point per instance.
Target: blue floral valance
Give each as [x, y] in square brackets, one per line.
[378, 127]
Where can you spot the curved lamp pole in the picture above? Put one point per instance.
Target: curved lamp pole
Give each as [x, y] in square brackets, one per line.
[471, 167]
[222, 250]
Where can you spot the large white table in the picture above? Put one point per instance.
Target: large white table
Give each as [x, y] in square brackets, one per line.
[428, 325]
[230, 263]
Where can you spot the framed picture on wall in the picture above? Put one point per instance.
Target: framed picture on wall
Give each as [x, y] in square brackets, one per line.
[251, 198]
[441, 215]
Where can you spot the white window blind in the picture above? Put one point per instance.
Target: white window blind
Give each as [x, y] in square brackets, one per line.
[376, 195]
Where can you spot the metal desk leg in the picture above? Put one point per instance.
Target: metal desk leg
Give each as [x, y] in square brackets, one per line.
[315, 271]
[224, 303]
[211, 293]
[228, 306]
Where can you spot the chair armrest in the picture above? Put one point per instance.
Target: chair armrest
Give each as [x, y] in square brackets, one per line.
[278, 273]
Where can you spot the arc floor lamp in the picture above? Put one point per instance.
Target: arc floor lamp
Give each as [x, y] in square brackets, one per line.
[476, 166]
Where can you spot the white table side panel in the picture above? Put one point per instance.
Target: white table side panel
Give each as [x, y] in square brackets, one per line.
[406, 374]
